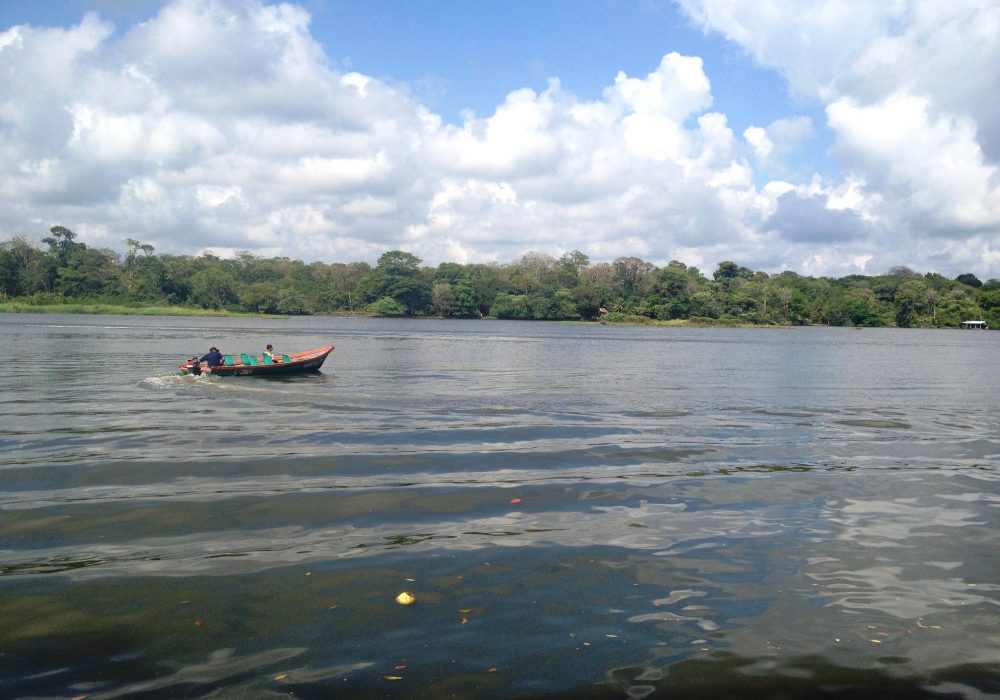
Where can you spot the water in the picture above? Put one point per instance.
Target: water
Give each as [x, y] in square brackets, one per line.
[580, 511]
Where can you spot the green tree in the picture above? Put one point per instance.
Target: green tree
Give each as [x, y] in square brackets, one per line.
[969, 279]
[454, 300]
[88, 273]
[486, 282]
[726, 270]
[397, 275]
[989, 301]
[291, 303]
[20, 264]
[511, 306]
[130, 268]
[960, 304]
[629, 275]
[569, 268]
[213, 289]
[261, 297]
[61, 244]
[441, 298]
[587, 300]
[449, 272]
[386, 306]
[911, 298]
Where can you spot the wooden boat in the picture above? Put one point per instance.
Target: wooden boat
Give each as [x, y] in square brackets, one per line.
[245, 365]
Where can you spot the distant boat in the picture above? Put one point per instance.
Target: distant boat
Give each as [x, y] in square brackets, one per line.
[245, 365]
[975, 324]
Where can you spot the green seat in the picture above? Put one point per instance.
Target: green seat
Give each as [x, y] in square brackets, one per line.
[286, 358]
[268, 360]
[245, 358]
[227, 360]
[253, 360]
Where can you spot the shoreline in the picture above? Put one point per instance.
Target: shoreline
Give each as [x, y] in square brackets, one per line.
[15, 307]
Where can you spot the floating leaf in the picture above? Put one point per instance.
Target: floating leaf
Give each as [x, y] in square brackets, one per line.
[515, 500]
[393, 678]
[405, 598]
[281, 677]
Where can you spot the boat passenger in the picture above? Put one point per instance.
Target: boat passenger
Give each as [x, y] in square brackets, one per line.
[270, 353]
[213, 357]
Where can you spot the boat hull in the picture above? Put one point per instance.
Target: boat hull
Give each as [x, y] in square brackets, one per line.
[299, 363]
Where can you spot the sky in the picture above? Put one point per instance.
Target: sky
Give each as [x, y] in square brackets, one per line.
[829, 137]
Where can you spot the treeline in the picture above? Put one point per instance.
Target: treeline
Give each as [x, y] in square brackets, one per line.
[535, 287]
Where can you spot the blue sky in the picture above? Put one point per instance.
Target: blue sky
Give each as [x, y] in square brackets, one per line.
[481, 51]
[829, 137]
[458, 56]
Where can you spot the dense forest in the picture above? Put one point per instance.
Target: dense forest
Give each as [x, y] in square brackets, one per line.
[535, 287]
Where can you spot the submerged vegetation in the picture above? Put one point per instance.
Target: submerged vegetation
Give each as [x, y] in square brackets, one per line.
[69, 276]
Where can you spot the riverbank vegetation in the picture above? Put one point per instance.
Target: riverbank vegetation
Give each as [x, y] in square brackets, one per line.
[71, 276]
[68, 307]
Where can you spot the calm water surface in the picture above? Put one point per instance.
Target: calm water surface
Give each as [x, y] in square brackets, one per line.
[580, 511]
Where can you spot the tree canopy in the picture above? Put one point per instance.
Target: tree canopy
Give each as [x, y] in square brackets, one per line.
[537, 286]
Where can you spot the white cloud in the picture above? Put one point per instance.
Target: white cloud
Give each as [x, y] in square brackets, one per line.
[761, 143]
[933, 164]
[675, 90]
[221, 125]
[779, 139]
[910, 94]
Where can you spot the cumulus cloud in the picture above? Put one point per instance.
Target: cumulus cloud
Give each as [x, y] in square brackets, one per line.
[222, 125]
[779, 138]
[932, 165]
[909, 88]
[809, 219]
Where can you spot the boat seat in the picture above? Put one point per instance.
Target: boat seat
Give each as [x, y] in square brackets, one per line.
[253, 360]
[227, 360]
[268, 360]
[286, 358]
[245, 358]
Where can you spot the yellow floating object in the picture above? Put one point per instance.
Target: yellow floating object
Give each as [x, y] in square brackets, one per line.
[405, 598]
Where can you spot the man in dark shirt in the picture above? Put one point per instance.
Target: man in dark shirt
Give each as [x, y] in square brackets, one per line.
[213, 357]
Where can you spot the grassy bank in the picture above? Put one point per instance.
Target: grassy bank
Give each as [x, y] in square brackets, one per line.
[694, 322]
[16, 307]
